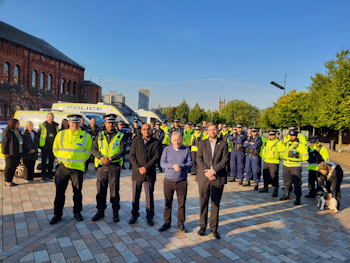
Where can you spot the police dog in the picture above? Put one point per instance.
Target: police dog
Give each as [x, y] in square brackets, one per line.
[322, 200]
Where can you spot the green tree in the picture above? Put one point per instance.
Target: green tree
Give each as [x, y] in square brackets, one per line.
[197, 114]
[239, 111]
[170, 113]
[266, 119]
[182, 111]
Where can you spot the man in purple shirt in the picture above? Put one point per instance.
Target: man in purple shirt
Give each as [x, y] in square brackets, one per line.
[176, 160]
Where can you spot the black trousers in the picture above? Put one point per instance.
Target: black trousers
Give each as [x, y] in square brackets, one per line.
[334, 186]
[63, 174]
[46, 169]
[195, 166]
[28, 173]
[181, 191]
[213, 192]
[228, 166]
[108, 175]
[270, 174]
[292, 175]
[11, 164]
[312, 181]
[136, 192]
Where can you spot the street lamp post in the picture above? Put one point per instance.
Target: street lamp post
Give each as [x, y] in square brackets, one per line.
[279, 86]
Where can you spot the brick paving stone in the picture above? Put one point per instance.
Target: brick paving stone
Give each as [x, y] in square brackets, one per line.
[102, 258]
[69, 252]
[41, 256]
[73, 260]
[53, 248]
[144, 258]
[111, 252]
[85, 255]
[59, 258]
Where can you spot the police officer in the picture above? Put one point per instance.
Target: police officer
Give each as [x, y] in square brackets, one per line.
[72, 147]
[108, 150]
[300, 137]
[48, 131]
[223, 134]
[294, 153]
[263, 143]
[158, 133]
[271, 154]
[177, 128]
[188, 131]
[317, 154]
[252, 162]
[195, 139]
[166, 140]
[83, 126]
[205, 134]
[93, 130]
[278, 134]
[237, 154]
[133, 133]
[120, 129]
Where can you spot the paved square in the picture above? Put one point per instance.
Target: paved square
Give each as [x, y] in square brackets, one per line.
[254, 227]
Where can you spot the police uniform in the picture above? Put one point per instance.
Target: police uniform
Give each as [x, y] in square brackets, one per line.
[317, 154]
[294, 153]
[224, 136]
[237, 155]
[271, 155]
[178, 129]
[93, 131]
[187, 136]
[158, 134]
[47, 133]
[133, 133]
[195, 139]
[166, 140]
[71, 149]
[300, 137]
[252, 161]
[125, 141]
[110, 145]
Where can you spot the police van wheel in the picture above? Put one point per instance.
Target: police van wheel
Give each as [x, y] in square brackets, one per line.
[20, 170]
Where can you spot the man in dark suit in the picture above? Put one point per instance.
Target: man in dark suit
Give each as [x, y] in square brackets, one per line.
[144, 155]
[212, 157]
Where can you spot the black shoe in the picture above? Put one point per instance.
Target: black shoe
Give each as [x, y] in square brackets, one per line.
[201, 231]
[231, 179]
[43, 178]
[130, 167]
[98, 215]
[55, 219]
[240, 182]
[150, 221]
[115, 216]
[275, 192]
[285, 197]
[123, 167]
[310, 195]
[297, 201]
[50, 177]
[182, 228]
[265, 189]
[164, 227]
[256, 188]
[216, 234]
[132, 220]
[245, 182]
[78, 217]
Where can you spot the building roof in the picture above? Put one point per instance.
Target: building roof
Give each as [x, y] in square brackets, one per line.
[19, 37]
[88, 83]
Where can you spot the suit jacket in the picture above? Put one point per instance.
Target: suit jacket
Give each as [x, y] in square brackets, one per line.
[218, 161]
[28, 145]
[10, 143]
[147, 156]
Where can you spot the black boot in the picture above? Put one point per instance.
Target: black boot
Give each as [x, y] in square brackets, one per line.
[115, 216]
[285, 197]
[43, 178]
[275, 192]
[297, 200]
[100, 214]
[256, 188]
[265, 189]
[123, 167]
[311, 194]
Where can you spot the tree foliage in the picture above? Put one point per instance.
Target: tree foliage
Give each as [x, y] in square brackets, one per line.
[239, 111]
[197, 114]
[182, 111]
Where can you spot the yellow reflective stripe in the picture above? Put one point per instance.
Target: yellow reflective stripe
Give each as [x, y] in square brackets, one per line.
[62, 137]
[72, 150]
[70, 160]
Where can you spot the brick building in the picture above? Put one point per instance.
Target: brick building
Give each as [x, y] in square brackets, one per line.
[34, 74]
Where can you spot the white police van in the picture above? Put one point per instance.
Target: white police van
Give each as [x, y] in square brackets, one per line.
[152, 115]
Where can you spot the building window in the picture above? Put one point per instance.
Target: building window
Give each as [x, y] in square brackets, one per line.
[16, 75]
[49, 79]
[85, 96]
[34, 79]
[62, 86]
[6, 72]
[74, 87]
[8, 110]
[68, 86]
[0, 110]
[42, 78]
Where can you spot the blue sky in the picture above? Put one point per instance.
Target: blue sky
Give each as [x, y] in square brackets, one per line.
[197, 50]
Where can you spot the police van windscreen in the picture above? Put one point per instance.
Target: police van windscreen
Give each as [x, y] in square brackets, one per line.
[99, 119]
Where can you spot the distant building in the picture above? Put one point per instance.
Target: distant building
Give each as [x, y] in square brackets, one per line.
[113, 97]
[34, 74]
[144, 99]
[221, 104]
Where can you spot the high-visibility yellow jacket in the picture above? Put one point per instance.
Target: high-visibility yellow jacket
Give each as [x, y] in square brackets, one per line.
[72, 149]
[195, 138]
[109, 150]
[273, 151]
[301, 138]
[263, 143]
[187, 137]
[315, 155]
[166, 139]
[205, 136]
[222, 135]
[299, 152]
[43, 134]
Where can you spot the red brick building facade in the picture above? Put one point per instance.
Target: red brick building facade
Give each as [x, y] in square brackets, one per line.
[34, 75]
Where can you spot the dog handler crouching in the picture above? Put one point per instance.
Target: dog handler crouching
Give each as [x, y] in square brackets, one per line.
[332, 175]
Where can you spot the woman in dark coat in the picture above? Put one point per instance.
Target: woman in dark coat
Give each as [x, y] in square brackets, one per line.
[64, 125]
[30, 150]
[12, 149]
